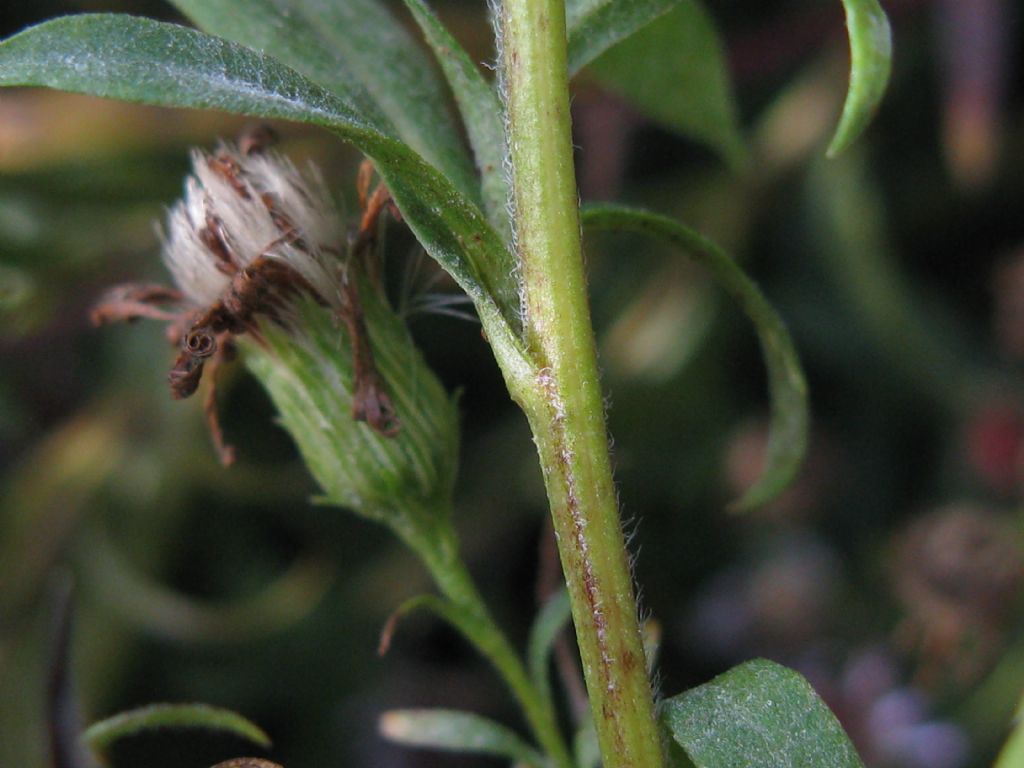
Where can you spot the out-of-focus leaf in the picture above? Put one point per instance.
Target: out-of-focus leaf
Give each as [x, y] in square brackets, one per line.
[549, 623]
[789, 409]
[594, 26]
[1012, 754]
[481, 112]
[163, 64]
[359, 51]
[674, 71]
[849, 221]
[19, 301]
[63, 709]
[870, 64]
[759, 713]
[102, 735]
[46, 494]
[454, 731]
[144, 603]
[586, 750]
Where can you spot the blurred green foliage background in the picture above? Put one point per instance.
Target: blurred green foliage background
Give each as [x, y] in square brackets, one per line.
[889, 575]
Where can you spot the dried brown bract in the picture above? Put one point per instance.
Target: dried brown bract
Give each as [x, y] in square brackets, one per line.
[252, 234]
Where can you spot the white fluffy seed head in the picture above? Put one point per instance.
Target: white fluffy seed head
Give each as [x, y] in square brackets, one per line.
[255, 205]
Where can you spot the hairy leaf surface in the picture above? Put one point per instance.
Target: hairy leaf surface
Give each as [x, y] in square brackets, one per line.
[151, 62]
[759, 713]
[481, 111]
[359, 51]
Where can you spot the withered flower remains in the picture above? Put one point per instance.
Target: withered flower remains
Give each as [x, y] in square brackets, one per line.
[253, 235]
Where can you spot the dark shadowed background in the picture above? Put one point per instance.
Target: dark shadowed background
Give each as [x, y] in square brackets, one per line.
[889, 574]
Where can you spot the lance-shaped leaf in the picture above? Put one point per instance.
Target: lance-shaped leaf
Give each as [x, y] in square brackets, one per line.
[453, 731]
[550, 622]
[102, 735]
[359, 51]
[870, 65]
[594, 26]
[481, 112]
[151, 62]
[758, 713]
[789, 410]
[673, 70]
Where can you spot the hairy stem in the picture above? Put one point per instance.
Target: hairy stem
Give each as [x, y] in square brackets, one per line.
[563, 401]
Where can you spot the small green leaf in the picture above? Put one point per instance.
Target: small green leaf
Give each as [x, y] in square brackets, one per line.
[454, 731]
[673, 70]
[758, 714]
[789, 418]
[481, 112]
[550, 621]
[870, 65]
[359, 51]
[133, 59]
[594, 26]
[102, 735]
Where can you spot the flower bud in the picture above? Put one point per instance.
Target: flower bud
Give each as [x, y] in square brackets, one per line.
[260, 257]
[307, 367]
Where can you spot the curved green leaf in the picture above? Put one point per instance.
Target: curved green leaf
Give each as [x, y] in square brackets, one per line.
[789, 418]
[359, 51]
[594, 26]
[550, 621]
[151, 62]
[673, 70]
[481, 111]
[102, 735]
[870, 65]
[454, 731]
[758, 713]
[144, 603]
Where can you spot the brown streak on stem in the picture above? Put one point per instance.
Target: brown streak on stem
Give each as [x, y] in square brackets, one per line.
[549, 581]
[595, 613]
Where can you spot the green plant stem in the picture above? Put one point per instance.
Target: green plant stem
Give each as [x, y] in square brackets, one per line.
[440, 553]
[563, 401]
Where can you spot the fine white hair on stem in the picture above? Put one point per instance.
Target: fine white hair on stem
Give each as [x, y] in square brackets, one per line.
[239, 207]
[497, 16]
